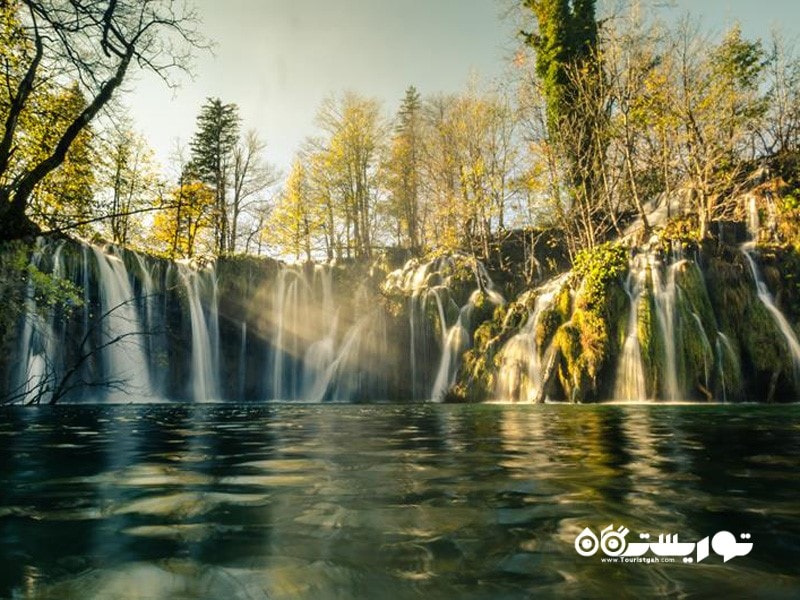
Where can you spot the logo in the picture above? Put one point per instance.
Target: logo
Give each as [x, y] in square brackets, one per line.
[614, 545]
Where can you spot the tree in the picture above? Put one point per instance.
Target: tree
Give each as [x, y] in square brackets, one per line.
[468, 166]
[130, 178]
[404, 169]
[297, 220]
[568, 65]
[91, 43]
[324, 192]
[717, 101]
[356, 133]
[444, 217]
[251, 176]
[780, 131]
[66, 194]
[567, 36]
[213, 147]
[187, 221]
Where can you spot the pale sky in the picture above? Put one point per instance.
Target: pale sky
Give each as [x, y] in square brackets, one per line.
[278, 59]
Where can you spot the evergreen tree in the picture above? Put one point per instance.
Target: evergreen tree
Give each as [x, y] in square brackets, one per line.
[212, 149]
[404, 168]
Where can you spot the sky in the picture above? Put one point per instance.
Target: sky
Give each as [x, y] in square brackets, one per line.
[278, 59]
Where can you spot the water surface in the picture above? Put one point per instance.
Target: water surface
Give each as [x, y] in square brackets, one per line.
[390, 501]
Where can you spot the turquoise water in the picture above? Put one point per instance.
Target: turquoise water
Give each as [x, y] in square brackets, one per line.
[390, 501]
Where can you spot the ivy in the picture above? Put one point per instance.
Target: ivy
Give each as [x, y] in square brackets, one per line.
[599, 267]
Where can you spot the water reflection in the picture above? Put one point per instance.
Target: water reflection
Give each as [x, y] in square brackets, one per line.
[212, 501]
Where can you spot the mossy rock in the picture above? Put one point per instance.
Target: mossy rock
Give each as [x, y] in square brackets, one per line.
[762, 341]
[476, 379]
[513, 316]
[695, 357]
[549, 322]
[728, 382]
[483, 335]
[651, 344]
[729, 291]
[483, 309]
[583, 346]
[692, 284]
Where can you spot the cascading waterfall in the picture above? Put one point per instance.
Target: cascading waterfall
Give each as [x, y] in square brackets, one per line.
[764, 295]
[768, 301]
[522, 361]
[250, 330]
[455, 341]
[434, 282]
[242, 372]
[356, 365]
[665, 295]
[153, 329]
[708, 353]
[322, 349]
[123, 333]
[422, 284]
[630, 382]
[152, 324]
[38, 368]
[205, 350]
[725, 352]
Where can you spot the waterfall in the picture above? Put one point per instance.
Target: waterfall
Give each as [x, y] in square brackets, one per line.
[242, 370]
[629, 382]
[323, 347]
[665, 295]
[723, 346]
[123, 333]
[356, 366]
[151, 323]
[145, 328]
[753, 220]
[37, 370]
[436, 281]
[521, 373]
[455, 341]
[204, 376]
[708, 353]
[767, 300]
[423, 285]
[319, 365]
[104, 346]
[279, 304]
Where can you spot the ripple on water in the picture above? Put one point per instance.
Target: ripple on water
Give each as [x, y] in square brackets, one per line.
[389, 501]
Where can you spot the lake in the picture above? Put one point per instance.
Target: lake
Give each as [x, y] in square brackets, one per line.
[392, 501]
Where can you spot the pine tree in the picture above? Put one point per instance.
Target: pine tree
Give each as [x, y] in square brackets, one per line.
[212, 149]
[404, 168]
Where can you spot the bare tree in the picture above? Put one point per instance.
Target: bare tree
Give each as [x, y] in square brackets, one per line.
[93, 43]
[251, 176]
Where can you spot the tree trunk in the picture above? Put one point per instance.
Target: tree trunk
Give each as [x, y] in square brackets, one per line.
[14, 223]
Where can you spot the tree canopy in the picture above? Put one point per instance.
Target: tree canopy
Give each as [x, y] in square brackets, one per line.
[90, 45]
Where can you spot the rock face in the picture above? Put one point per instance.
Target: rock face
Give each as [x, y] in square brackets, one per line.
[667, 322]
[671, 322]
